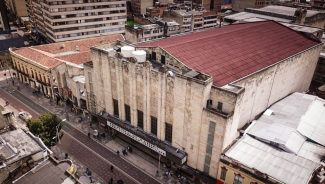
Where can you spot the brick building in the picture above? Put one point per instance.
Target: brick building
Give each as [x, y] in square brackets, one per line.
[185, 97]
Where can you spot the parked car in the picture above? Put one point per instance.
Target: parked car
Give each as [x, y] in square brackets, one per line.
[25, 116]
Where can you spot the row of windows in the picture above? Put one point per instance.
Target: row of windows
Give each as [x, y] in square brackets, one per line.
[154, 127]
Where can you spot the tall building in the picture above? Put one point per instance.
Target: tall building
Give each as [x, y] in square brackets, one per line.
[139, 7]
[213, 5]
[17, 8]
[186, 97]
[240, 5]
[4, 23]
[59, 21]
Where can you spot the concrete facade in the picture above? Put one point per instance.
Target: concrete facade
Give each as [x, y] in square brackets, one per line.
[240, 5]
[17, 7]
[73, 20]
[205, 119]
[139, 7]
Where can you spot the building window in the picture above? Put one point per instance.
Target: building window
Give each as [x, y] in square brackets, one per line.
[206, 169]
[115, 104]
[140, 119]
[238, 179]
[219, 106]
[153, 125]
[223, 173]
[163, 59]
[169, 132]
[127, 113]
[154, 56]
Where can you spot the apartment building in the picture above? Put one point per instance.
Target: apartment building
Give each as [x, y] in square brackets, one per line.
[157, 11]
[185, 97]
[240, 5]
[17, 8]
[138, 7]
[60, 21]
[4, 23]
[143, 33]
[211, 5]
[191, 20]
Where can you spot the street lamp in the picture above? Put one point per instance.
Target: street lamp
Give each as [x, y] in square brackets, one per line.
[57, 133]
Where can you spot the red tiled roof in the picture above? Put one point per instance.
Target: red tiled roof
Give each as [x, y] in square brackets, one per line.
[46, 54]
[76, 58]
[84, 44]
[232, 52]
[38, 57]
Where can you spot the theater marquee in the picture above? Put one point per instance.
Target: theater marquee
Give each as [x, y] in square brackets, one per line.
[138, 139]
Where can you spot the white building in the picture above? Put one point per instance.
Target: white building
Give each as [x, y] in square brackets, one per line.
[185, 97]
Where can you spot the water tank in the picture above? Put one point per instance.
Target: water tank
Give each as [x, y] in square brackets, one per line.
[140, 55]
[127, 51]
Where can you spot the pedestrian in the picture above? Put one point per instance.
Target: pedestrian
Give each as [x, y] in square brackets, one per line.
[126, 151]
[91, 124]
[111, 180]
[87, 169]
[123, 151]
[90, 179]
[112, 167]
[157, 173]
[118, 153]
[89, 134]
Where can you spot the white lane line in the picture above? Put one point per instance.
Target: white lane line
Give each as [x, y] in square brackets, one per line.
[101, 157]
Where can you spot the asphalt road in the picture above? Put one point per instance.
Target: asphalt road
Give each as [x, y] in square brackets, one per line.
[87, 151]
[18, 101]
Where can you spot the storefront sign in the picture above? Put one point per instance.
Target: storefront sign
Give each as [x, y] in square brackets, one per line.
[138, 139]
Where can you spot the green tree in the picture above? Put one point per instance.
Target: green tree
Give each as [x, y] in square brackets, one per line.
[45, 128]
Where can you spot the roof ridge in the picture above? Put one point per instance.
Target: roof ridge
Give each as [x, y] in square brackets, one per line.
[43, 52]
[227, 32]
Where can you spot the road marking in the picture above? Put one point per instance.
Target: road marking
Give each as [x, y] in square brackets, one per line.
[101, 157]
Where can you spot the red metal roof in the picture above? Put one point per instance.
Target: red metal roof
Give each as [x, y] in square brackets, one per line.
[232, 52]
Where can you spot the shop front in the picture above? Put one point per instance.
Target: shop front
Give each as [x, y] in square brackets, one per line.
[136, 137]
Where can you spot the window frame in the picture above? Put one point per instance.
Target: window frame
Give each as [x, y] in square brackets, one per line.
[115, 108]
[168, 132]
[223, 173]
[154, 125]
[140, 119]
[127, 113]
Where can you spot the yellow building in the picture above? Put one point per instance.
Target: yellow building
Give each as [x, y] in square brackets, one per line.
[232, 173]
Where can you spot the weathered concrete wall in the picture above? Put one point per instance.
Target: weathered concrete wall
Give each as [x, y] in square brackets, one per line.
[240, 5]
[264, 88]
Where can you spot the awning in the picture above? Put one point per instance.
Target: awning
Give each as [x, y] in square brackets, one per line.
[153, 143]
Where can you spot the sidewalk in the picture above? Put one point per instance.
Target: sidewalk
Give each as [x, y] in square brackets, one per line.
[137, 157]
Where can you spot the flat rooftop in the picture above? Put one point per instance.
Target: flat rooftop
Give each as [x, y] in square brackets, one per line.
[46, 173]
[15, 145]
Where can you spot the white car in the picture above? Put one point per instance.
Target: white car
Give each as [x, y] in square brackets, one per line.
[24, 116]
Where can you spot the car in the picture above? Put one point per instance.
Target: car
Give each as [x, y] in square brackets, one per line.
[24, 116]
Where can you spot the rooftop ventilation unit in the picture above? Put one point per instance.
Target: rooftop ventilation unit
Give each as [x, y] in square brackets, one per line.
[117, 48]
[77, 48]
[63, 45]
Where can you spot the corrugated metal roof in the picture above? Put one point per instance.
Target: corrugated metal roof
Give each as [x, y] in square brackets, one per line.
[280, 127]
[312, 123]
[235, 51]
[286, 167]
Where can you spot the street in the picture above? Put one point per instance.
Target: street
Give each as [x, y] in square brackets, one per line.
[83, 149]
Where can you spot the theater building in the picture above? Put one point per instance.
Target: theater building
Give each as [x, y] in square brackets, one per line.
[183, 99]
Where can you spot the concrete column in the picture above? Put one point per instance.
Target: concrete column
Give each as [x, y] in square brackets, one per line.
[161, 106]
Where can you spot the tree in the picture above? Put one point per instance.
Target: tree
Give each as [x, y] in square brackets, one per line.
[45, 128]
